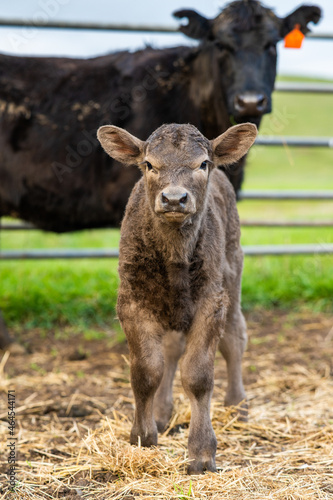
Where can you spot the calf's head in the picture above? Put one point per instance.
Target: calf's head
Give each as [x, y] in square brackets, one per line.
[242, 40]
[176, 161]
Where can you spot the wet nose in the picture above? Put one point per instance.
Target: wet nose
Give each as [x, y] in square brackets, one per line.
[174, 199]
[250, 104]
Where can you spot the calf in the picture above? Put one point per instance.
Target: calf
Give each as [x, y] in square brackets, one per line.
[180, 271]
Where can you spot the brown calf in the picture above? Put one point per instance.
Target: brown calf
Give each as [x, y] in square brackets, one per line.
[180, 271]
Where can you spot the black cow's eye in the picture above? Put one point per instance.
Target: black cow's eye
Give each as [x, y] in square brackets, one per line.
[219, 45]
[149, 166]
[224, 46]
[271, 48]
[203, 165]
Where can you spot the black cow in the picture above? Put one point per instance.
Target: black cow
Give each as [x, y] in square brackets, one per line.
[53, 172]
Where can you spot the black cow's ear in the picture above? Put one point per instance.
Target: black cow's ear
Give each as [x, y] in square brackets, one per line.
[302, 16]
[120, 144]
[198, 27]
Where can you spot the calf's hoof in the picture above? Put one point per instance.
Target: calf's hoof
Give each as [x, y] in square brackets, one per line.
[138, 439]
[162, 425]
[201, 466]
[162, 417]
[243, 412]
[241, 409]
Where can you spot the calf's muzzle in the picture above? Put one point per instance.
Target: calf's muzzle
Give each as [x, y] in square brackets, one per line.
[174, 199]
[175, 202]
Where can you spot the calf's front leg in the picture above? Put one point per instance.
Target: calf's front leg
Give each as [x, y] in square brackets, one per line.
[146, 365]
[197, 372]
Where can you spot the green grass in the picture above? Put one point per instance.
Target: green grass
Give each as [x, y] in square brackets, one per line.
[289, 283]
[59, 293]
[82, 293]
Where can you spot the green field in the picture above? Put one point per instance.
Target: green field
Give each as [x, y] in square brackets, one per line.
[82, 294]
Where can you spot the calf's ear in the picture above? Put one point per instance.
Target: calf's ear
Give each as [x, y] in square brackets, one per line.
[302, 16]
[120, 144]
[231, 146]
[198, 27]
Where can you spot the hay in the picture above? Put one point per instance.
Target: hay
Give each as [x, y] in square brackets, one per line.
[284, 452]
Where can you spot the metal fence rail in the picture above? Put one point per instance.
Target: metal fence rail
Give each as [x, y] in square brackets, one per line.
[18, 227]
[251, 251]
[108, 26]
[263, 223]
[149, 28]
[299, 142]
[139, 28]
[320, 36]
[300, 87]
[60, 253]
[286, 195]
[244, 223]
[266, 250]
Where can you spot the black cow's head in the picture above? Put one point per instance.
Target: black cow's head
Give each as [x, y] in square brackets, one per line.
[244, 36]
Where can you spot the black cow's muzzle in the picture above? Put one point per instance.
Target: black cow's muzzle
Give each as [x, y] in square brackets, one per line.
[247, 104]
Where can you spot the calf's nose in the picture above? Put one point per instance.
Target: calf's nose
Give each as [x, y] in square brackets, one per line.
[174, 199]
[250, 104]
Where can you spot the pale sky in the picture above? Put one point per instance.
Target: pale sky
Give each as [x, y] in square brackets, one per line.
[314, 59]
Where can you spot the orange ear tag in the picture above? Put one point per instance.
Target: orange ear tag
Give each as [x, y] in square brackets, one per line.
[294, 39]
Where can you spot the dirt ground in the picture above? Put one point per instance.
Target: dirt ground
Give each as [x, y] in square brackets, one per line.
[70, 393]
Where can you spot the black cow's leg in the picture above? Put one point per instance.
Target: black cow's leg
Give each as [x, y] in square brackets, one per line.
[232, 346]
[173, 347]
[5, 338]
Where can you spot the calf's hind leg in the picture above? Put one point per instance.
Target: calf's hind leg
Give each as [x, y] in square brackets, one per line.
[173, 348]
[232, 346]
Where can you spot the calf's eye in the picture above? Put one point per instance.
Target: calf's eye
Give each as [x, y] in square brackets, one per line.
[149, 166]
[203, 165]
